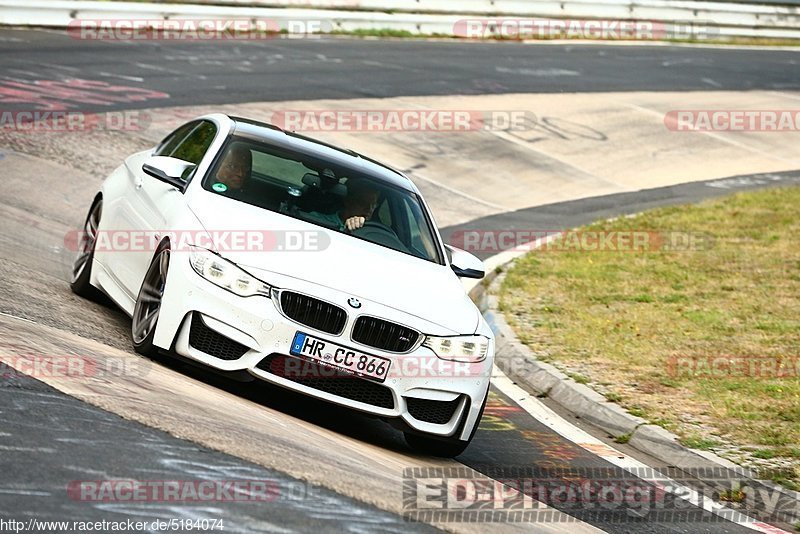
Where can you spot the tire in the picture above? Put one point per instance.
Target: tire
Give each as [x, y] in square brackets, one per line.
[443, 447]
[82, 266]
[148, 303]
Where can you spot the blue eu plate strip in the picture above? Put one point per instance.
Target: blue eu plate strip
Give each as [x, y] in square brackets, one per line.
[297, 344]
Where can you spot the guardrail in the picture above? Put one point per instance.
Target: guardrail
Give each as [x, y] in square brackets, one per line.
[442, 6]
[696, 19]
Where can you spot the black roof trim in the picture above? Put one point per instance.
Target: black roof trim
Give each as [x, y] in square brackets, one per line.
[255, 123]
[347, 151]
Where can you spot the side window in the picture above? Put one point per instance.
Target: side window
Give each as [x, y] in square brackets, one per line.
[195, 145]
[285, 170]
[419, 233]
[413, 227]
[172, 140]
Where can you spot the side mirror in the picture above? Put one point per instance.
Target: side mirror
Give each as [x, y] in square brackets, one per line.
[168, 170]
[464, 264]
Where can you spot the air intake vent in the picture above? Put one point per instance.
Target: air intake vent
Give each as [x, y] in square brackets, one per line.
[313, 312]
[431, 411]
[384, 335]
[212, 342]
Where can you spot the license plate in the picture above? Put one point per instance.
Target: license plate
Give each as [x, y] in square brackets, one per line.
[333, 355]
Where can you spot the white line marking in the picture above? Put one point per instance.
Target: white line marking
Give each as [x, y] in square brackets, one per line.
[17, 317]
[59, 67]
[785, 94]
[586, 441]
[711, 82]
[545, 73]
[25, 492]
[414, 174]
[26, 449]
[528, 146]
[147, 66]
[720, 137]
[24, 73]
[121, 77]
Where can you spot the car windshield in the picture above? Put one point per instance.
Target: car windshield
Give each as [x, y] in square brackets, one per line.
[324, 193]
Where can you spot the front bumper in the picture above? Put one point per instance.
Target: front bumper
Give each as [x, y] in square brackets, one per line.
[222, 330]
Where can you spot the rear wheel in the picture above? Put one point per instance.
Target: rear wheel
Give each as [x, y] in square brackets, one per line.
[148, 303]
[443, 447]
[82, 267]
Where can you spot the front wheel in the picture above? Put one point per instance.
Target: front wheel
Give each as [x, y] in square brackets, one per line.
[443, 447]
[148, 303]
[82, 267]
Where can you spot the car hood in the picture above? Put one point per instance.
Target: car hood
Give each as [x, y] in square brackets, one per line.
[343, 263]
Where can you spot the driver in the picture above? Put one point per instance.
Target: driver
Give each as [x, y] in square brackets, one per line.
[359, 204]
[357, 207]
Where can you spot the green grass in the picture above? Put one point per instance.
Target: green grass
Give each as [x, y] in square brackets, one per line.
[700, 443]
[580, 379]
[732, 495]
[623, 438]
[631, 319]
[765, 454]
[380, 32]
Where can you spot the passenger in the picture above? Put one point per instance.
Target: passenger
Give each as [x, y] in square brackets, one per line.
[235, 170]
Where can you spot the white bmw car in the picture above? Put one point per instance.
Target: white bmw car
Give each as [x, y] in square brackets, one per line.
[261, 252]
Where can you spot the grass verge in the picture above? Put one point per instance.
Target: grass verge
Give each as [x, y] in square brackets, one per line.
[703, 340]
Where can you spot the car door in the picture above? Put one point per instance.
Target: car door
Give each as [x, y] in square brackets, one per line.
[151, 202]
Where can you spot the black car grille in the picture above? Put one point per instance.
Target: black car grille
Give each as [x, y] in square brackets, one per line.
[384, 335]
[431, 411]
[213, 343]
[313, 312]
[327, 379]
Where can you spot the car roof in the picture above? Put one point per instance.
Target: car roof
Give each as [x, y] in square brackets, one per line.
[271, 134]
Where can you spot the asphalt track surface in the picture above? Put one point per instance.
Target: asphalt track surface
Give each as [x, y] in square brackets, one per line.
[49, 439]
[231, 72]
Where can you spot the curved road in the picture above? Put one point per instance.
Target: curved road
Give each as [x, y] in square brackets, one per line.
[49, 439]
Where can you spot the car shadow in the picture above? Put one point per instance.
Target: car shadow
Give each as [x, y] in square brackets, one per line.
[340, 419]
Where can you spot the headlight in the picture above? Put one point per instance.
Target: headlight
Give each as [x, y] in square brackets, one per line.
[470, 349]
[225, 274]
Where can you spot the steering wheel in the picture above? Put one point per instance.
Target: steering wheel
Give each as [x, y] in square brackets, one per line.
[381, 234]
